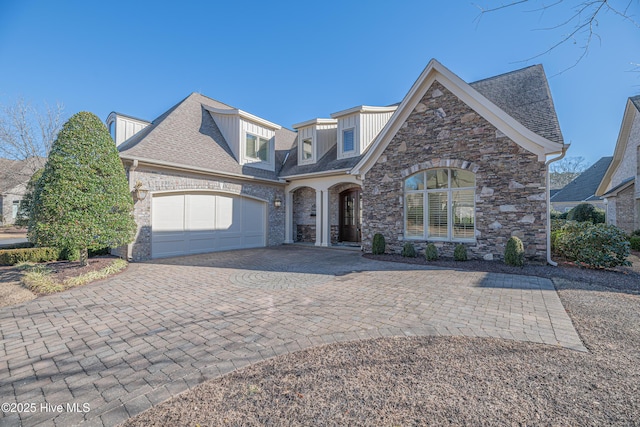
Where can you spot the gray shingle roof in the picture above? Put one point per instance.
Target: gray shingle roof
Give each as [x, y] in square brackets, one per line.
[636, 101]
[524, 94]
[584, 187]
[622, 184]
[16, 172]
[187, 135]
[328, 162]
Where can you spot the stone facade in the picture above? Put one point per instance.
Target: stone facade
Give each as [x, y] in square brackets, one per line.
[304, 214]
[157, 180]
[442, 131]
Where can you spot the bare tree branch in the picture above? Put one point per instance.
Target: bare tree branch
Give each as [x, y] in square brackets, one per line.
[582, 21]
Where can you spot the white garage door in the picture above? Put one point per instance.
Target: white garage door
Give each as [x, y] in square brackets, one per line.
[195, 223]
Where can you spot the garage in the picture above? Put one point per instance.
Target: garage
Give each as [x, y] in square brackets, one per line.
[192, 223]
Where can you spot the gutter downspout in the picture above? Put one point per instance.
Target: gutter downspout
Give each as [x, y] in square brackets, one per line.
[565, 147]
[132, 169]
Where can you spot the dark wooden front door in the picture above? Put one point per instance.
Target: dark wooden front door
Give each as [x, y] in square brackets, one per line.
[350, 214]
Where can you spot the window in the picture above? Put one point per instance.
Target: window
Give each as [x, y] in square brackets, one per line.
[257, 148]
[447, 196]
[14, 209]
[307, 149]
[348, 143]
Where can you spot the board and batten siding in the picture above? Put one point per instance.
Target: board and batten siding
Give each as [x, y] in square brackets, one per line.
[326, 138]
[372, 124]
[125, 127]
[230, 129]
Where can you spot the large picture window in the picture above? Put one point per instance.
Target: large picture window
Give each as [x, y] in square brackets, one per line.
[440, 205]
[257, 148]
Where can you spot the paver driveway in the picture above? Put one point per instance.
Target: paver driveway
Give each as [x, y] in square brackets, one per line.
[126, 343]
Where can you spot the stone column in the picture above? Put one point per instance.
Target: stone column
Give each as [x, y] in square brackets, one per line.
[288, 217]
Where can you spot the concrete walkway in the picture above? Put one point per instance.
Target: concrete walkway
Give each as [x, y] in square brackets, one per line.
[129, 342]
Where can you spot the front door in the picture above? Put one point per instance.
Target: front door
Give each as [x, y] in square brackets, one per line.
[350, 214]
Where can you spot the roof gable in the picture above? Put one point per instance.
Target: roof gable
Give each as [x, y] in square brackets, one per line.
[495, 115]
[584, 186]
[631, 109]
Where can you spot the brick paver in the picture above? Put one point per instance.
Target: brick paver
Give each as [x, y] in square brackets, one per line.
[160, 328]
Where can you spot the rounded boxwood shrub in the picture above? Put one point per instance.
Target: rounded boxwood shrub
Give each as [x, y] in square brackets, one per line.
[593, 245]
[635, 243]
[514, 252]
[460, 253]
[431, 252]
[378, 245]
[408, 250]
[586, 212]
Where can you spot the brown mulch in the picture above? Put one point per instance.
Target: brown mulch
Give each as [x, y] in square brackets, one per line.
[444, 380]
[626, 279]
[11, 292]
[63, 270]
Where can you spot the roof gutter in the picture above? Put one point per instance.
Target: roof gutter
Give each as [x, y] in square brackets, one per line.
[314, 174]
[177, 166]
[565, 147]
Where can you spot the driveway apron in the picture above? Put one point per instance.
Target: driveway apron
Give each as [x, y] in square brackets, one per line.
[104, 352]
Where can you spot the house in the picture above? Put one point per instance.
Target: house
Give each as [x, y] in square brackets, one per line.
[617, 188]
[453, 163]
[582, 189]
[14, 176]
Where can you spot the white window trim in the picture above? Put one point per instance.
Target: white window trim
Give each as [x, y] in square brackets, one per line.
[258, 159]
[425, 209]
[311, 159]
[355, 142]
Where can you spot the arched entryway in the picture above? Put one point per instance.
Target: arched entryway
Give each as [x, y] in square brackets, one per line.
[350, 216]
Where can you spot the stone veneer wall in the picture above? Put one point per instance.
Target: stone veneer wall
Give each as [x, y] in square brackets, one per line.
[169, 180]
[304, 219]
[443, 131]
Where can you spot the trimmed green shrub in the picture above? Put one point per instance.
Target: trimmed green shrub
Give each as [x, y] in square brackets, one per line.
[15, 256]
[24, 209]
[557, 224]
[593, 245]
[634, 241]
[514, 252]
[460, 253]
[636, 232]
[431, 252]
[586, 212]
[408, 250]
[378, 246]
[70, 254]
[21, 245]
[82, 199]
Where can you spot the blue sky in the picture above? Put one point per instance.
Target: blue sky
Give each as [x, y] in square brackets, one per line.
[293, 61]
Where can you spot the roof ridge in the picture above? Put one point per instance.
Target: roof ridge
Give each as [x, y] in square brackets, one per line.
[507, 73]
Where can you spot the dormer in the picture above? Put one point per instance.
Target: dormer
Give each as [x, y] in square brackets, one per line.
[315, 138]
[250, 138]
[122, 127]
[358, 127]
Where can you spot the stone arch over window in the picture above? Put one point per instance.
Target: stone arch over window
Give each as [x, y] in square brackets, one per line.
[440, 163]
[440, 203]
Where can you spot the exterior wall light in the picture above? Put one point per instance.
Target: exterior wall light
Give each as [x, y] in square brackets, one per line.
[139, 193]
[277, 202]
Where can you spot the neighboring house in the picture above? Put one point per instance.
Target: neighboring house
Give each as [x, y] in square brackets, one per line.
[618, 189]
[453, 163]
[14, 176]
[582, 189]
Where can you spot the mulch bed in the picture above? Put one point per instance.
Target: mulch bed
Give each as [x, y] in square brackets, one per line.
[63, 270]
